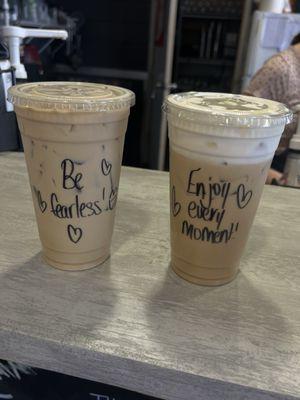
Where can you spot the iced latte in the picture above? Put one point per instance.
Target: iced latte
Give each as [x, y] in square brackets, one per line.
[73, 135]
[221, 147]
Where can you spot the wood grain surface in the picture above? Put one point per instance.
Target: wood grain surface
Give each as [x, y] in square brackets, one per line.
[132, 323]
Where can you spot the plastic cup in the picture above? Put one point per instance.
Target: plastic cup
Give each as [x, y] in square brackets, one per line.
[221, 147]
[73, 135]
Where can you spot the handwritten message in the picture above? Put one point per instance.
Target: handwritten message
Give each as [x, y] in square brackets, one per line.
[209, 202]
[73, 179]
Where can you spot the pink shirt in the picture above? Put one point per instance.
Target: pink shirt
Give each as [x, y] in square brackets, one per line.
[279, 80]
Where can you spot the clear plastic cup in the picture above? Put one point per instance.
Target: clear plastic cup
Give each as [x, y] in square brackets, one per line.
[221, 147]
[73, 135]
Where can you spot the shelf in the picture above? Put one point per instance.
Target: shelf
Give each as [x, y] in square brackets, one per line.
[211, 16]
[40, 25]
[102, 72]
[206, 61]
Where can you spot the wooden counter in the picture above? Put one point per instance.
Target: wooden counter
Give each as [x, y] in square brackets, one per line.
[132, 323]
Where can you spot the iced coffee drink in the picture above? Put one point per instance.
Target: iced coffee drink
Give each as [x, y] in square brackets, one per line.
[73, 135]
[221, 147]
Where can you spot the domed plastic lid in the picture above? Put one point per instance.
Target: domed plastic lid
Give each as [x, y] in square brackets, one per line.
[71, 97]
[227, 110]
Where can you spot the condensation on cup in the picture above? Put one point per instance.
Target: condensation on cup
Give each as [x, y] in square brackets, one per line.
[221, 148]
[73, 136]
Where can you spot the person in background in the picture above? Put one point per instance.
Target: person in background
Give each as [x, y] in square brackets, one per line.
[279, 80]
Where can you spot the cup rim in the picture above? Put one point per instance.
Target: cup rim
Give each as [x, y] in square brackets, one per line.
[67, 96]
[194, 107]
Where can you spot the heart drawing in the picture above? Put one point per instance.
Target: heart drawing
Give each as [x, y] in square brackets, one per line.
[113, 198]
[42, 204]
[106, 167]
[74, 234]
[242, 196]
[175, 205]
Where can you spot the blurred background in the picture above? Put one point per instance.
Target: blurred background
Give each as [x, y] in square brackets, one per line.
[152, 47]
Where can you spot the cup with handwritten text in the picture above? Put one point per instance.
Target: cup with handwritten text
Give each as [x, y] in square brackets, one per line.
[73, 135]
[221, 148]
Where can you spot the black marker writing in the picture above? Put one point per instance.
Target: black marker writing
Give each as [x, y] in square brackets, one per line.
[75, 234]
[207, 235]
[242, 196]
[175, 205]
[70, 181]
[113, 198]
[207, 191]
[205, 207]
[207, 214]
[76, 209]
[105, 167]
[192, 187]
[42, 204]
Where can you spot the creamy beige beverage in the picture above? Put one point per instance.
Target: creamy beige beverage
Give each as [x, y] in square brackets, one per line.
[212, 206]
[73, 136]
[221, 147]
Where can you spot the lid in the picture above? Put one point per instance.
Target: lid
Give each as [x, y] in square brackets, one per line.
[71, 96]
[227, 110]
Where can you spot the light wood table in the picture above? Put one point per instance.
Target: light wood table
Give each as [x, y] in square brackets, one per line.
[132, 323]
